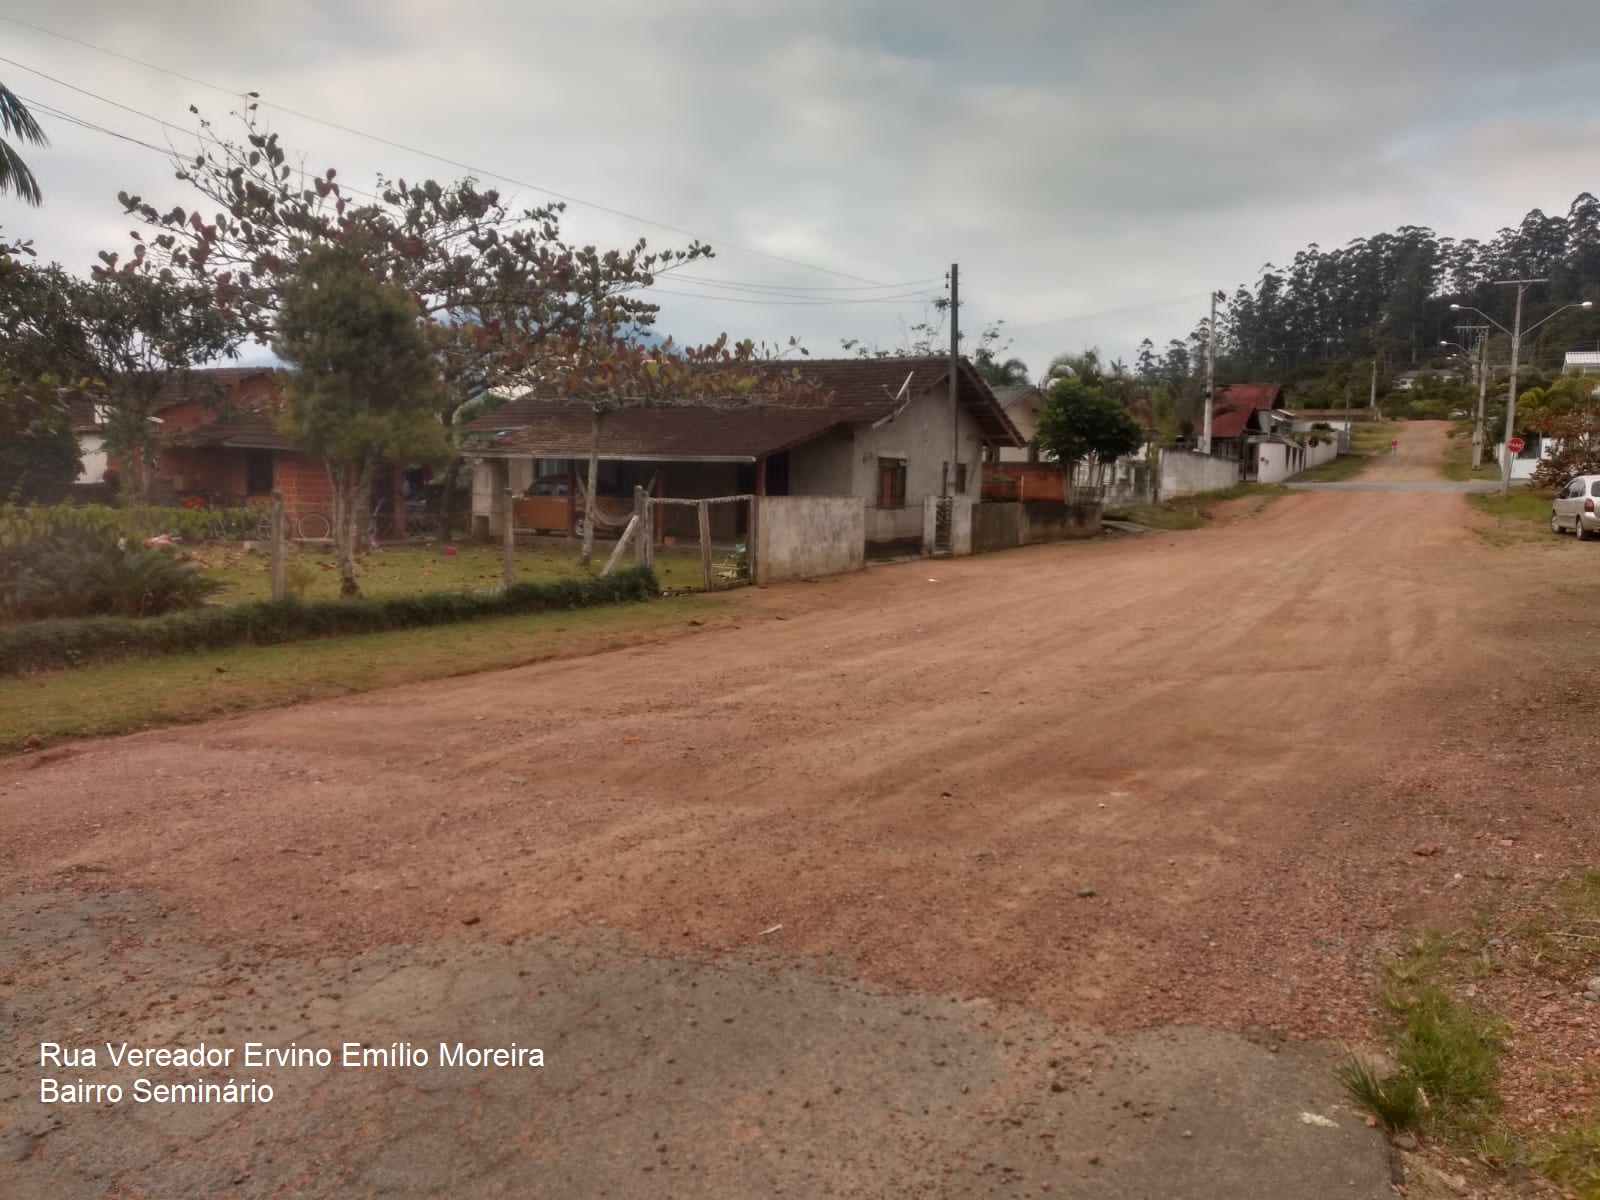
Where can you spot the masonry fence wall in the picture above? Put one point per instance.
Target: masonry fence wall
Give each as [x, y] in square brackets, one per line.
[1003, 525]
[1185, 473]
[802, 536]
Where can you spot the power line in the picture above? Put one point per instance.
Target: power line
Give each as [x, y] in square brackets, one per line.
[801, 302]
[479, 171]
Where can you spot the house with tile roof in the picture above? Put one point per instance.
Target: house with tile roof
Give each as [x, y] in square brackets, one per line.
[1250, 426]
[880, 429]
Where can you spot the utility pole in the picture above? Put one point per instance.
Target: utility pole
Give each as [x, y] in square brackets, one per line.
[955, 378]
[1480, 367]
[1372, 395]
[1211, 375]
[1522, 286]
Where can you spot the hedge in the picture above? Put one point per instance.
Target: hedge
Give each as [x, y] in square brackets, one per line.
[50, 645]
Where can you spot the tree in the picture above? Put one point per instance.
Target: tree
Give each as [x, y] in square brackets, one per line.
[141, 329]
[44, 365]
[1080, 425]
[498, 290]
[18, 122]
[1578, 451]
[365, 387]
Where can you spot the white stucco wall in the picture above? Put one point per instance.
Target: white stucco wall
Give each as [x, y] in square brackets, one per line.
[1184, 473]
[922, 435]
[92, 453]
[1523, 467]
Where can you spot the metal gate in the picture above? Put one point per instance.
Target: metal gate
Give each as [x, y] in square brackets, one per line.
[942, 511]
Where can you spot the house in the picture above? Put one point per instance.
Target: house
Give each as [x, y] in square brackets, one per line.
[1584, 361]
[880, 429]
[1250, 426]
[1408, 381]
[1023, 403]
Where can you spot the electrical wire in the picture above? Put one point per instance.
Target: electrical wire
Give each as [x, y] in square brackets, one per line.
[459, 165]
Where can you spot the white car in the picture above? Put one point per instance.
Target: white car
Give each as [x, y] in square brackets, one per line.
[1576, 508]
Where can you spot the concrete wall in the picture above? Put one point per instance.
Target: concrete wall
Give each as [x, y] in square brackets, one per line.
[961, 523]
[825, 468]
[1323, 452]
[802, 536]
[1184, 473]
[1131, 480]
[920, 434]
[1275, 462]
[1525, 464]
[1003, 525]
[92, 453]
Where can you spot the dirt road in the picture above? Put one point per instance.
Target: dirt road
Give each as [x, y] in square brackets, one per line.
[1024, 874]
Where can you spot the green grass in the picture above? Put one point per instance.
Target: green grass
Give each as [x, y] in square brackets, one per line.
[415, 570]
[1573, 1160]
[1192, 512]
[1371, 437]
[1458, 457]
[1395, 1098]
[1522, 506]
[1346, 466]
[123, 697]
[1447, 1053]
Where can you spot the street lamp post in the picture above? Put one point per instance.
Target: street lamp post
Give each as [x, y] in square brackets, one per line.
[1517, 333]
[1479, 361]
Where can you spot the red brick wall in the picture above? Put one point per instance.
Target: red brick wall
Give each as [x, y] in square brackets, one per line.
[304, 484]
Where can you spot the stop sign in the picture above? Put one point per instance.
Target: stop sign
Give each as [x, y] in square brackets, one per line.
[1515, 445]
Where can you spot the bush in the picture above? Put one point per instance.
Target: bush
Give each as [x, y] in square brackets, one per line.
[51, 644]
[51, 577]
[87, 522]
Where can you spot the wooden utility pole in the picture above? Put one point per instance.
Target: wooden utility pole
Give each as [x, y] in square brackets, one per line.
[955, 378]
[1372, 397]
[1211, 376]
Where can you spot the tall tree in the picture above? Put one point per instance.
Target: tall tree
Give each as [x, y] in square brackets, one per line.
[497, 288]
[1085, 429]
[17, 122]
[44, 365]
[143, 330]
[365, 388]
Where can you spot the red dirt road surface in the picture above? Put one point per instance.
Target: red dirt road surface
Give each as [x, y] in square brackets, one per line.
[1056, 872]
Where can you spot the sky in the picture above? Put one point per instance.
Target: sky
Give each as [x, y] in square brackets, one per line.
[1096, 167]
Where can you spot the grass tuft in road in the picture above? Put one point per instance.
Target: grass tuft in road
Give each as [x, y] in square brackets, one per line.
[117, 698]
[1394, 1098]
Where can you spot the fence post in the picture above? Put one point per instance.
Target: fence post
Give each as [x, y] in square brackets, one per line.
[751, 538]
[641, 514]
[705, 543]
[279, 565]
[508, 542]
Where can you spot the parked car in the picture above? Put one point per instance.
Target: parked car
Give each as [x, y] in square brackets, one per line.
[1576, 508]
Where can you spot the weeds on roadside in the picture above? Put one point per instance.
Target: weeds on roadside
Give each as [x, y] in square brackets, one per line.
[1447, 1053]
[1573, 1161]
[1395, 1099]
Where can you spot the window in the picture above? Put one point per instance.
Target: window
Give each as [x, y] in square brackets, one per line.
[891, 483]
[961, 479]
[1530, 447]
[258, 472]
[1594, 488]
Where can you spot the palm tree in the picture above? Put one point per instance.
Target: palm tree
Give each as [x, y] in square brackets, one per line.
[1011, 372]
[15, 119]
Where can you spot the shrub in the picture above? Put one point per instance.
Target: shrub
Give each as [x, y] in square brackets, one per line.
[79, 579]
[51, 644]
[75, 522]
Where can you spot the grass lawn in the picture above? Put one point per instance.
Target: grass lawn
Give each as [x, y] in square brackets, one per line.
[147, 693]
[1522, 516]
[1191, 512]
[414, 569]
[1458, 456]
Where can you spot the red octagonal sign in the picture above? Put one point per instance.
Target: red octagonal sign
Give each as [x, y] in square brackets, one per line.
[1515, 445]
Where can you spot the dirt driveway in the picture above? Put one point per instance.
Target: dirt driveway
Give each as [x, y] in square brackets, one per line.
[1035, 874]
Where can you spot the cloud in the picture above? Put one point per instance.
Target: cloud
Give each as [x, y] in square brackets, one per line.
[1095, 167]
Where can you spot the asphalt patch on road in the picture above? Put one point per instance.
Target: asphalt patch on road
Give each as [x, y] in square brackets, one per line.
[659, 1076]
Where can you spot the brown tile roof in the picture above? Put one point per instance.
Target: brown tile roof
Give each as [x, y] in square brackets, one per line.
[851, 391]
[241, 429]
[1237, 403]
[203, 383]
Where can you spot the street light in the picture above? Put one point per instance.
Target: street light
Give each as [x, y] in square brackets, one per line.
[1516, 333]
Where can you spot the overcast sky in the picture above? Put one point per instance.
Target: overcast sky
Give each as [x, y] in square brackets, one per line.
[1095, 166]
